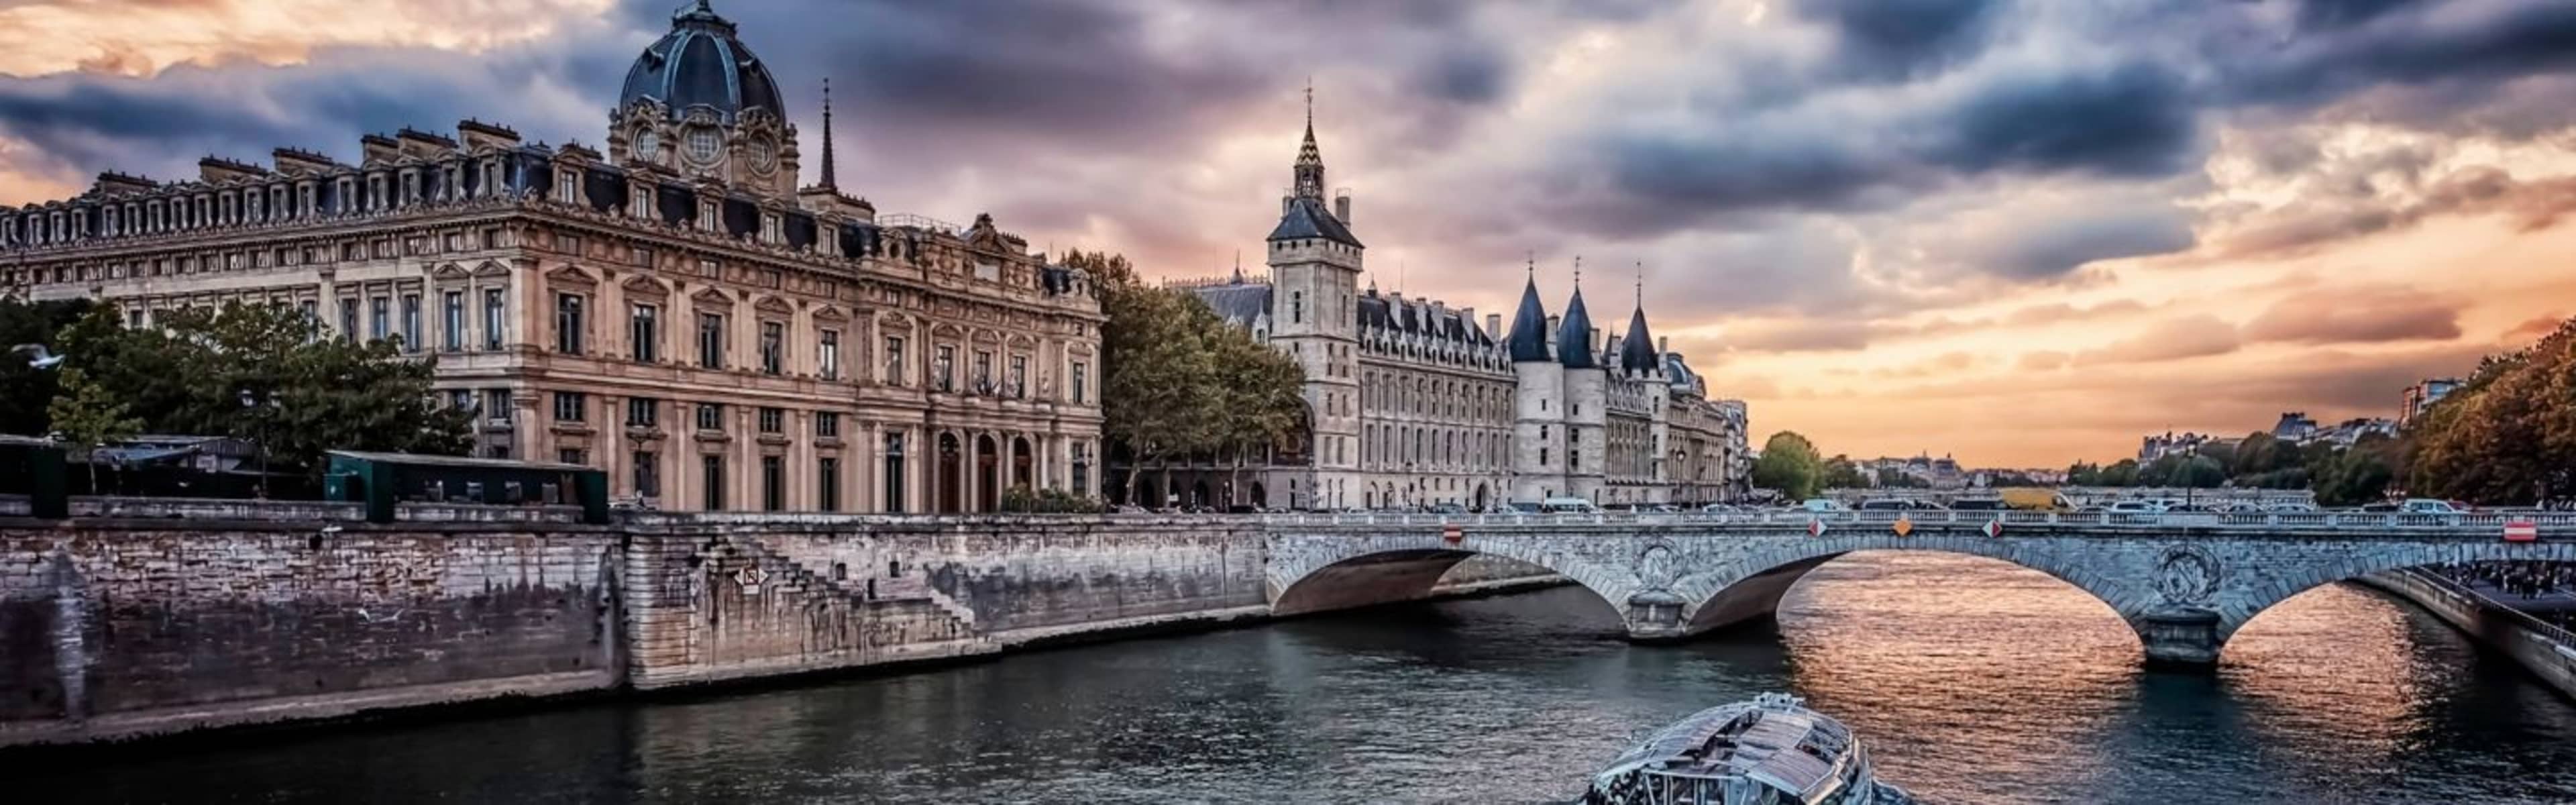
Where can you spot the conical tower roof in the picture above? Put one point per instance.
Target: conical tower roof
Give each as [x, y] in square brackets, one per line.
[1574, 338]
[1528, 340]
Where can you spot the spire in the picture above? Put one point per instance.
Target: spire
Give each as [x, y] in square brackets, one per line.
[831, 178]
[1238, 266]
[1574, 343]
[1310, 159]
[1637, 354]
[1528, 338]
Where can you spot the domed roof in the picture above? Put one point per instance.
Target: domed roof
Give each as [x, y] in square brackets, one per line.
[701, 63]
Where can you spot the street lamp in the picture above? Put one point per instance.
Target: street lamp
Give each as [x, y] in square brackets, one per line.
[259, 419]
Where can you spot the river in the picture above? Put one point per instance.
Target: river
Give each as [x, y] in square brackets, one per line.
[1973, 681]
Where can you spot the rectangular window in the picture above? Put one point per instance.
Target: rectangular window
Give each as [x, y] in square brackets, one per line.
[710, 416]
[944, 368]
[711, 480]
[644, 328]
[773, 347]
[893, 474]
[349, 318]
[571, 406]
[1081, 381]
[1019, 376]
[983, 371]
[827, 424]
[572, 455]
[496, 405]
[648, 475]
[568, 323]
[829, 355]
[461, 399]
[643, 412]
[411, 322]
[379, 319]
[711, 340]
[773, 420]
[894, 360]
[827, 484]
[773, 483]
[492, 323]
[452, 318]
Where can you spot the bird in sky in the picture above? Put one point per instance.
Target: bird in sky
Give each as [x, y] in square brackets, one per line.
[37, 355]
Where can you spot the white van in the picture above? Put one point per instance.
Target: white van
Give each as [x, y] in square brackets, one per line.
[1567, 506]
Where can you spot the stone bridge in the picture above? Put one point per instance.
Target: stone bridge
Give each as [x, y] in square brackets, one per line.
[2184, 582]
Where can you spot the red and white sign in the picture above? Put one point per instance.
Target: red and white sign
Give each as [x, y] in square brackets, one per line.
[1994, 527]
[1815, 528]
[2521, 531]
[1453, 534]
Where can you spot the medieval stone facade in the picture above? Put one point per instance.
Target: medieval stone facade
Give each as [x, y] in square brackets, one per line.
[1418, 404]
[675, 311]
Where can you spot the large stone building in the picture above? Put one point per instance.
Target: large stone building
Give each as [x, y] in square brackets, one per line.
[1416, 403]
[674, 310]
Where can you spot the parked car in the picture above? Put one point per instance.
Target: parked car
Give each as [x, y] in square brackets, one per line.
[1718, 508]
[1980, 505]
[2382, 508]
[1886, 505]
[1823, 505]
[2291, 508]
[2136, 507]
[2429, 506]
[1568, 506]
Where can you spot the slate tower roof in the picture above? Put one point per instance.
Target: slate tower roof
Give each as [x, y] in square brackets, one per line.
[1528, 340]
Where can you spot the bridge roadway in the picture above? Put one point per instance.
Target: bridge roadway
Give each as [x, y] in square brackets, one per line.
[2184, 582]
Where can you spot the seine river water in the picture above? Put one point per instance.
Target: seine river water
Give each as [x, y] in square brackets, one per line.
[1974, 682]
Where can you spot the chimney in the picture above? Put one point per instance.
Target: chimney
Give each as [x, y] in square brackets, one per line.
[1664, 345]
[1597, 342]
[1342, 207]
[1494, 324]
[1554, 323]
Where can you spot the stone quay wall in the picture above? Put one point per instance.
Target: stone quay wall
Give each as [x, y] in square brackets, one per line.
[121, 627]
[2547, 656]
[140, 618]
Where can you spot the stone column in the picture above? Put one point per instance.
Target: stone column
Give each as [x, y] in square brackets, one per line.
[2180, 639]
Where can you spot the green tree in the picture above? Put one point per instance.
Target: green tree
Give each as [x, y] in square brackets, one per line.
[88, 414]
[307, 394]
[2201, 472]
[2508, 434]
[1262, 392]
[2122, 473]
[1790, 465]
[1160, 389]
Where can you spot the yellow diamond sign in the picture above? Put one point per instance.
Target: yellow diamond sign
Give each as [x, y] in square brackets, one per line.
[1904, 526]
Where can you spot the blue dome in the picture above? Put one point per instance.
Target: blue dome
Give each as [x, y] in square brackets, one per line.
[701, 63]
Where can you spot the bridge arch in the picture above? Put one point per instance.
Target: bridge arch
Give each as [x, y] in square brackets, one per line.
[1751, 587]
[1343, 571]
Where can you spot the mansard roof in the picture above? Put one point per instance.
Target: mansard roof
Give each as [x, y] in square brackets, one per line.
[1574, 339]
[1238, 302]
[1529, 327]
[1306, 218]
[1412, 317]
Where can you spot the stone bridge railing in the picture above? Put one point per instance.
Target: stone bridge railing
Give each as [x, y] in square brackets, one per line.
[2479, 524]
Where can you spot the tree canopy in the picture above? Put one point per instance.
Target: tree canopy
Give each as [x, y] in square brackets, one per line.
[263, 373]
[1790, 465]
[2507, 435]
[1177, 380]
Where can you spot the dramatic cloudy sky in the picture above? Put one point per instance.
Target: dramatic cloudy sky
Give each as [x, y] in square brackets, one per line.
[2020, 231]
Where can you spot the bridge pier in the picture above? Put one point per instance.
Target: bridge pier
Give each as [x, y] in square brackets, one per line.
[2180, 639]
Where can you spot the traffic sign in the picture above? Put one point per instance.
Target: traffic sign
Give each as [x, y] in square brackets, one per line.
[1815, 528]
[1453, 535]
[1994, 527]
[1904, 526]
[2521, 531]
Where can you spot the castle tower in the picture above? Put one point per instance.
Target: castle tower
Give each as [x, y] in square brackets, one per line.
[1314, 278]
[1640, 362]
[1587, 399]
[1538, 423]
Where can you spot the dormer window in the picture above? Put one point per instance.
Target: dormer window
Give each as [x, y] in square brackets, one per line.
[708, 219]
[769, 230]
[643, 203]
[491, 177]
[648, 145]
[567, 186]
[375, 193]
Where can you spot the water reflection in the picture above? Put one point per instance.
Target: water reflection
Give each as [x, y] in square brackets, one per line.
[1976, 682]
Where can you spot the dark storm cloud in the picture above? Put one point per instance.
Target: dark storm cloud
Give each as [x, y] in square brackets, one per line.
[2046, 249]
[1902, 36]
[2135, 120]
[161, 126]
[2468, 51]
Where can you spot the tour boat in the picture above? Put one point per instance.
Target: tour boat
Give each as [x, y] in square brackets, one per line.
[1768, 751]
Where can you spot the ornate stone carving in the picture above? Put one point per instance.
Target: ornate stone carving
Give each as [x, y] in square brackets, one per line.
[2188, 576]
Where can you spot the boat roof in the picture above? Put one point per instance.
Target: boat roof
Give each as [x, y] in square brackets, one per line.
[1772, 740]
